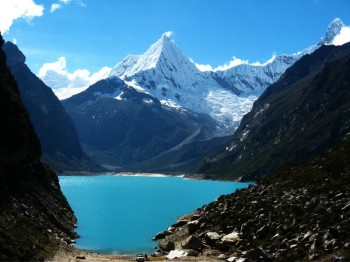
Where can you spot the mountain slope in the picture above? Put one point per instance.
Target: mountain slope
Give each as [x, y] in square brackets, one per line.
[33, 209]
[302, 114]
[52, 124]
[120, 126]
[164, 72]
[300, 213]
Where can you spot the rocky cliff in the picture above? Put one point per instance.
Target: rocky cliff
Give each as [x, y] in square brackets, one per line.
[55, 129]
[35, 217]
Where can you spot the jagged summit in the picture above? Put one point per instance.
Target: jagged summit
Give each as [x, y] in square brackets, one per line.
[164, 51]
[164, 72]
[332, 31]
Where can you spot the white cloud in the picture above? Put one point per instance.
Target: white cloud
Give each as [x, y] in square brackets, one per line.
[60, 3]
[343, 37]
[65, 83]
[54, 7]
[234, 62]
[14, 9]
[204, 68]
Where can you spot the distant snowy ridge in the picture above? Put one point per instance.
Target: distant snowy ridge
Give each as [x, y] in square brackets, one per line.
[164, 72]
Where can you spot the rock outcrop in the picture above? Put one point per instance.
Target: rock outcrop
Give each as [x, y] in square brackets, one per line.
[35, 217]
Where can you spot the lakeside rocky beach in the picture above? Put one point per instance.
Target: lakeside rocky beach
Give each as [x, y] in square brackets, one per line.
[304, 218]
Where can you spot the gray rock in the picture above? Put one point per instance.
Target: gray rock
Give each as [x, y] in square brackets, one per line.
[191, 252]
[162, 235]
[180, 223]
[231, 238]
[166, 245]
[193, 226]
[211, 238]
[192, 242]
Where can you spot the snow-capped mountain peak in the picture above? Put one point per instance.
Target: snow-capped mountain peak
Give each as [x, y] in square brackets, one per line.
[164, 72]
[164, 51]
[332, 31]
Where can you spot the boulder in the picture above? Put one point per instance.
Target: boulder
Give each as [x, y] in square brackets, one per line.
[230, 238]
[176, 254]
[192, 242]
[162, 235]
[166, 245]
[180, 223]
[193, 226]
[211, 238]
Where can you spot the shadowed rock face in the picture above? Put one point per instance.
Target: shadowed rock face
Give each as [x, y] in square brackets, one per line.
[298, 117]
[35, 217]
[55, 129]
[128, 126]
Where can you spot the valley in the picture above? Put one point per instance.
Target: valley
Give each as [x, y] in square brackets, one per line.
[241, 163]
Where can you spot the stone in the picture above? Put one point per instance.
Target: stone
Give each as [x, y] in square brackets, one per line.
[307, 235]
[262, 232]
[180, 223]
[171, 229]
[176, 254]
[166, 245]
[193, 226]
[192, 242]
[162, 235]
[195, 217]
[231, 259]
[222, 256]
[191, 252]
[346, 207]
[231, 238]
[257, 254]
[211, 238]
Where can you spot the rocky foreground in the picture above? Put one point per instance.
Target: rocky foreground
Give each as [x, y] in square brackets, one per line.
[301, 213]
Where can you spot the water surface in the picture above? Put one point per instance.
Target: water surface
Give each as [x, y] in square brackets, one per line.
[121, 214]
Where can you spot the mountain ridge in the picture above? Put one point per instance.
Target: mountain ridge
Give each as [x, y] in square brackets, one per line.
[34, 211]
[299, 116]
[51, 122]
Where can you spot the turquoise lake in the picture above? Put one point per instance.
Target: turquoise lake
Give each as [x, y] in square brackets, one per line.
[121, 214]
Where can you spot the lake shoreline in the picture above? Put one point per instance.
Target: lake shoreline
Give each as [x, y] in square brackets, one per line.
[145, 174]
[183, 196]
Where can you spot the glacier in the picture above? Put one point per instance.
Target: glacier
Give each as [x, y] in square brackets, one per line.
[164, 72]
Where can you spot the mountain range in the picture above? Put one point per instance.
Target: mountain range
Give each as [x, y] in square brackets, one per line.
[301, 115]
[161, 89]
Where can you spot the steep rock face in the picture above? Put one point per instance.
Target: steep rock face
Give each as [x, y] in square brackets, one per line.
[120, 125]
[35, 217]
[302, 114]
[52, 124]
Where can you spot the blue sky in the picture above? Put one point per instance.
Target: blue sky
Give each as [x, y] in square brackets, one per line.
[91, 34]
